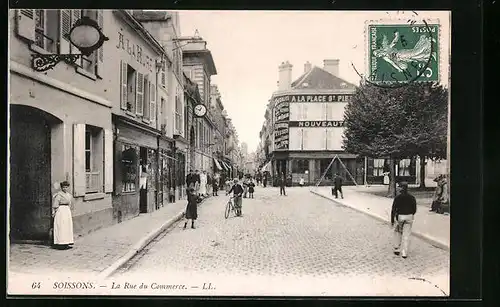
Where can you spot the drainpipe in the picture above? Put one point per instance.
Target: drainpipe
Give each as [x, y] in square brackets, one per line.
[158, 166]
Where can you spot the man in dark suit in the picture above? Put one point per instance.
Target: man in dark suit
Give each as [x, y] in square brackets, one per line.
[282, 183]
[337, 186]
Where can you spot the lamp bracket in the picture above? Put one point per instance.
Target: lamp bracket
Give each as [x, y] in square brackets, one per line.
[44, 62]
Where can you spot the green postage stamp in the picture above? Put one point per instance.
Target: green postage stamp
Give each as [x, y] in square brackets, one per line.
[401, 52]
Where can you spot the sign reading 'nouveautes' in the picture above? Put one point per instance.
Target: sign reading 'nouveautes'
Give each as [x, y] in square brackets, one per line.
[317, 123]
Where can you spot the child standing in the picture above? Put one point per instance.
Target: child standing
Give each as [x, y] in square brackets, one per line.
[251, 188]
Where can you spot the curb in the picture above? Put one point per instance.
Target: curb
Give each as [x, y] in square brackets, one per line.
[139, 246]
[429, 239]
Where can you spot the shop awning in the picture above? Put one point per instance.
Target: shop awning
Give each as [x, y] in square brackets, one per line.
[217, 164]
[266, 167]
[225, 165]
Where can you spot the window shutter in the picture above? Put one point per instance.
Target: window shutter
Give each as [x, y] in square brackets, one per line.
[163, 76]
[79, 176]
[139, 86]
[64, 27]
[152, 106]
[100, 22]
[108, 161]
[25, 24]
[76, 14]
[123, 80]
[146, 98]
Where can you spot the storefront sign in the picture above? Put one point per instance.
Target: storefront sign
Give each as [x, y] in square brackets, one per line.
[135, 51]
[281, 117]
[313, 98]
[317, 123]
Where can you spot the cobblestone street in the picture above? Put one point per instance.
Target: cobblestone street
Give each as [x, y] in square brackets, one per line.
[300, 235]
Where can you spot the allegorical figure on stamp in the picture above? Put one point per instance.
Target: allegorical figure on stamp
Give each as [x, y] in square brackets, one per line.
[401, 58]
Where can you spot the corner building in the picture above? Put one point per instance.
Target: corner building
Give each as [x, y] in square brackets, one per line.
[308, 125]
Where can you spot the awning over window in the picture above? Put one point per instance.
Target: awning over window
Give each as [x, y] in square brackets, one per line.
[266, 167]
[217, 164]
[226, 166]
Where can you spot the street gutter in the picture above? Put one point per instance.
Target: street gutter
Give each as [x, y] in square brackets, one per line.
[141, 244]
[425, 237]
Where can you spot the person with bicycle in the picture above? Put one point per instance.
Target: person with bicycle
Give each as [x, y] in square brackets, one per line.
[237, 190]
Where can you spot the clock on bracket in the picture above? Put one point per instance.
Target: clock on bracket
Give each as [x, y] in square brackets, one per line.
[200, 110]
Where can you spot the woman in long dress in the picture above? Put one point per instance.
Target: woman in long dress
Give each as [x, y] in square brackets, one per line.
[191, 208]
[63, 220]
[203, 184]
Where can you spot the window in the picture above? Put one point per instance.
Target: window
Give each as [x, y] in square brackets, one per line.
[378, 167]
[129, 174]
[152, 102]
[146, 98]
[46, 28]
[129, 89]
[178, 114]
[94, 150]
[404, 167]
[300, 166]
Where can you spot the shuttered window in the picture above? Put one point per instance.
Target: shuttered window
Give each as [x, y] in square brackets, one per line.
[108, 161]
[79, 160]
[64, 28]
[152, 107]
[124, 83]
[139, 93]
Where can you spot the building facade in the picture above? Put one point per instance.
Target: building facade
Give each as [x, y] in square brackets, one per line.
[60, 125]
[199, 66]
[304, 123]
[164, 26]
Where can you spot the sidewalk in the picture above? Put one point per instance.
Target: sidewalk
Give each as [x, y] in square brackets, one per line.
[431, 227]
[100, 252]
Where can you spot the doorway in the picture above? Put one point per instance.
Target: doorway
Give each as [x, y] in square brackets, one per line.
[30, 174]
[143, 187]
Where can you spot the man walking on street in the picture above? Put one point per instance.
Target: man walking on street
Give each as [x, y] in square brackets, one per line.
[403, 211]
[282, 183]
[337, 186]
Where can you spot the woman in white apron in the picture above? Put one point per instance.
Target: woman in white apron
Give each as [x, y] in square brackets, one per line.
[63, 220]
[203, 184]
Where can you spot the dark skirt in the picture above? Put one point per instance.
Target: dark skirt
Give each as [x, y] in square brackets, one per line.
[192, 211]
[251, 189]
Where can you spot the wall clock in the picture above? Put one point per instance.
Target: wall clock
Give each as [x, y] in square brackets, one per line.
[200, 110]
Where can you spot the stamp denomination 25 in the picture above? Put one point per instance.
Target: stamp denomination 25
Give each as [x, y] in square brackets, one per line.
[400, 53]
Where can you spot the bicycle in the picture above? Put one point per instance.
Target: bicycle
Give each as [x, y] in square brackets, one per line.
[229, 207]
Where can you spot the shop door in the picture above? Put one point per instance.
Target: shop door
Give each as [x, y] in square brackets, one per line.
[30, 169]
[143, 194]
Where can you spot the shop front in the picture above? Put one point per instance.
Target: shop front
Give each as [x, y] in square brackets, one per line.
[136, 168]
[166, 178]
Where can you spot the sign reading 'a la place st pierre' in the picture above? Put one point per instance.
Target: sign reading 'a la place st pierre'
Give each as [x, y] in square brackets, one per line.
[316, 123]
[313, 98]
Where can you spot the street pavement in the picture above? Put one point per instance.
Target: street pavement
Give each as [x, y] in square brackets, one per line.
[91, 253]
[433, 227]
[299, 244]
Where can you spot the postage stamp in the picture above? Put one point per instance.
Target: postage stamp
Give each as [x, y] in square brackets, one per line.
[402, 51]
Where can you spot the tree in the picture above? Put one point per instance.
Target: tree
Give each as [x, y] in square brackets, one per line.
[397, 123]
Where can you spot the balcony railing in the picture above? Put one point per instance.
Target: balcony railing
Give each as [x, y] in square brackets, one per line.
[93, 182]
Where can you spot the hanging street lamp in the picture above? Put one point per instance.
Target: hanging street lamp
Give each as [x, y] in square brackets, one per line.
[85, 35]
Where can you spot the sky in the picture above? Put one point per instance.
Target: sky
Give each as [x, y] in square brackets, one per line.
[248, 46]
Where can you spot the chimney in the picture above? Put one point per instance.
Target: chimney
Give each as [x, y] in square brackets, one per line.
[331, 66]
[285, 76]
[307, 67]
